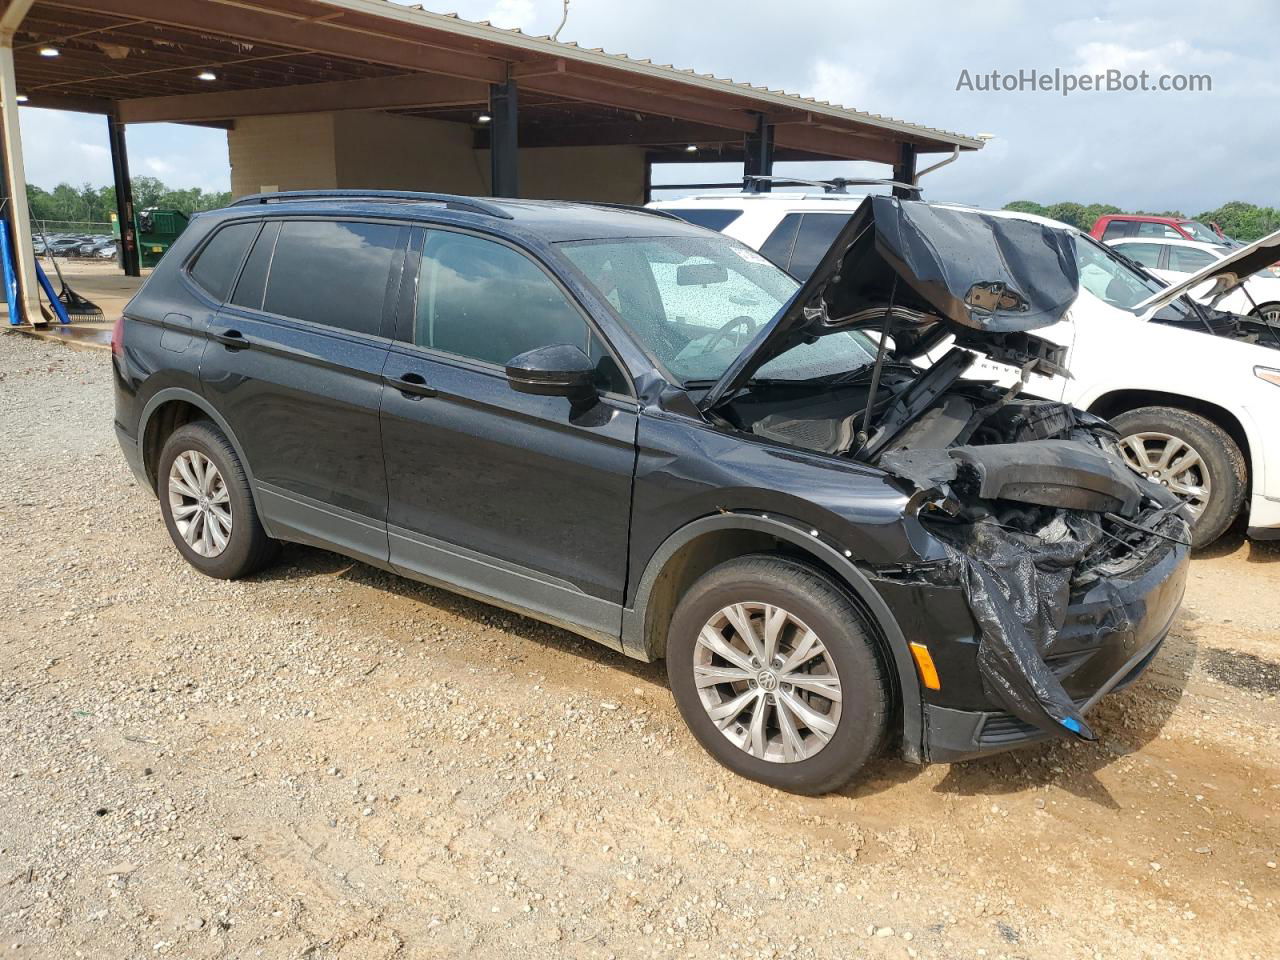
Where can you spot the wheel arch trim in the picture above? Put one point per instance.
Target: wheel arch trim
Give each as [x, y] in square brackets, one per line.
[170, 394]
[1237, 419]
[635, 619]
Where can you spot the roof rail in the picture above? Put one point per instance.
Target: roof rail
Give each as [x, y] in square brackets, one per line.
[635, 208]
[752, 183]
[449, 200]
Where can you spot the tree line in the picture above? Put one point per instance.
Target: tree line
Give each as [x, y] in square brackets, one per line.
[1239, 220]
[98, 204]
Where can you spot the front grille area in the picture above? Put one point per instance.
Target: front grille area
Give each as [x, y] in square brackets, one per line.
[1004, 728]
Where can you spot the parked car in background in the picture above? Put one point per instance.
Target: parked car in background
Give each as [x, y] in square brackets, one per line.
[91, 247]
[1174, 260]
[1122, 226]
[108, 251]
[645, 432]
[1195, 414]
[65, 246]
[792, 230]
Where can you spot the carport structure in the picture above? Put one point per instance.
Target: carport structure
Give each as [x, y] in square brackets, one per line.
[370, 93]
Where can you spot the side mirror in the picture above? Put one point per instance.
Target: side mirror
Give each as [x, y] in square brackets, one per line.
[559, 370]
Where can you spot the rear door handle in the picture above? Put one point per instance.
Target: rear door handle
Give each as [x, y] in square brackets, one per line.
[412, 385]
[231, 338]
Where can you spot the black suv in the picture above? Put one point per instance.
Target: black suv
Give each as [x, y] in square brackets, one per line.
[643, 431]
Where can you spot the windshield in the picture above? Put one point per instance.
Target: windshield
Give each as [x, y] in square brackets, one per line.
[696, 302]
[1109, 278]
[1113, 281]
[1200, 232]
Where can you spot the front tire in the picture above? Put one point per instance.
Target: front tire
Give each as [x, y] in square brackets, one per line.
[1269, 312]
[777, 674]
[1192, 456]
[207, 505]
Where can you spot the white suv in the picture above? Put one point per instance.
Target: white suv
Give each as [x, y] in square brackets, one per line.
[1196, 412]
[1175, 260]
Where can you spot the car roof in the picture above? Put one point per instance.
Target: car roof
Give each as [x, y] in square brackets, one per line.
[747, 201]
[1173, 242]
[551, 220]
[1144, 218]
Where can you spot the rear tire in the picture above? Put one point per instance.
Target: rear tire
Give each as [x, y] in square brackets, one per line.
[1218, 461]
[787, 734]
[207, 505]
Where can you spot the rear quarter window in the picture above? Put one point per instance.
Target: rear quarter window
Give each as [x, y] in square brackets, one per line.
[218, 262]
[777, 247]
[817, 231]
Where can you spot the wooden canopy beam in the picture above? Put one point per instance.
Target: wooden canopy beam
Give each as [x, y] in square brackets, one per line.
[299, 32]
[377, 93]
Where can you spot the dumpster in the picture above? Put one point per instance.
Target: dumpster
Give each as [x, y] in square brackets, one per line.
[157, 230]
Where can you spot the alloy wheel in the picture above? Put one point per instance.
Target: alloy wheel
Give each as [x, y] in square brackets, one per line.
[200, 503]
[767, 682]
[1171, 462]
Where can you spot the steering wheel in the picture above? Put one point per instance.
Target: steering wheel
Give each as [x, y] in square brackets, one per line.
[723, 332]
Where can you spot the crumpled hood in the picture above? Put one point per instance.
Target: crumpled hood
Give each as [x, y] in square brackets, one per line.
[1227, 274]
[982, 278]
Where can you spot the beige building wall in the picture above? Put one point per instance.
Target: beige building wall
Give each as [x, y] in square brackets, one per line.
[291, 152]
[607, 174]
[388, 152]
[383, 151]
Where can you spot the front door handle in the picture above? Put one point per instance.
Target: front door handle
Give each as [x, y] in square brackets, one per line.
[233, 339]
[412, 385]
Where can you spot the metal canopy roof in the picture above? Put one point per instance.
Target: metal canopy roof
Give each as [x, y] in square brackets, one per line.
[141, 58]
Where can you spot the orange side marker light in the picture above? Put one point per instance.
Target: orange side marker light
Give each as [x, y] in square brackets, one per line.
[924, 663]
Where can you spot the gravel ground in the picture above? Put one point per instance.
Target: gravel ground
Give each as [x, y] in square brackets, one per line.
[326, 761]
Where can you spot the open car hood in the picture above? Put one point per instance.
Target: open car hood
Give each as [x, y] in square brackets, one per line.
[1227, 274]
[948, 271]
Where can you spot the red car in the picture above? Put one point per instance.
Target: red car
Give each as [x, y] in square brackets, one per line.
[1119, 226]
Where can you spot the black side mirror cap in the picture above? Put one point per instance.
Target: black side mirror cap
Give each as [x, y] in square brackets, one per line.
[559, 370]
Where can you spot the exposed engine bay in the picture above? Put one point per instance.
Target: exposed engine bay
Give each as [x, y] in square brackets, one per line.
[1220, 323]
[1030, 497]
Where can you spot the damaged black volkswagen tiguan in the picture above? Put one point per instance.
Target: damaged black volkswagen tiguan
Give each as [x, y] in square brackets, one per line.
[642, 431]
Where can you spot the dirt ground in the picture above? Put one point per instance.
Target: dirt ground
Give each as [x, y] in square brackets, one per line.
[328, 762]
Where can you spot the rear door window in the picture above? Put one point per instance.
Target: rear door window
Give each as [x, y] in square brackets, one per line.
[336, 273]
[817, 231]
[706, 217]
[218, 263]
[1147, 254]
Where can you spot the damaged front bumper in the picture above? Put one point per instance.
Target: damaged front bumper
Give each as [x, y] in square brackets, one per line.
[1094, 654]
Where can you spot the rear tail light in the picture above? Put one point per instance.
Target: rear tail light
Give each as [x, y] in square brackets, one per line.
[117, 337]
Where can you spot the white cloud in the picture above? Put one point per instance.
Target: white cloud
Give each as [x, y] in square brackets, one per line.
[512, 13]
[1099, 57]
[157, 167]
[62, 147]
[839, 84]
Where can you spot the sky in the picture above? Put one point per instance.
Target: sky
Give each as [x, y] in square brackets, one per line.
[1190, 151]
